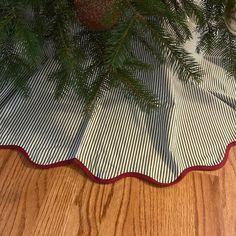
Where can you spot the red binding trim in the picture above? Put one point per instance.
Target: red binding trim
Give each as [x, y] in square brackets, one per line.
[128, 174]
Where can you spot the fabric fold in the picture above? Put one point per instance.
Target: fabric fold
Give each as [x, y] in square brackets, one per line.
[192, 128]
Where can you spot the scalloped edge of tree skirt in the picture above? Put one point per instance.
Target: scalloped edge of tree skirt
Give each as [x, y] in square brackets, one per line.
[124, 175]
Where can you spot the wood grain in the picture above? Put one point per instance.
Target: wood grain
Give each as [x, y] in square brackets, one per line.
[63, 201]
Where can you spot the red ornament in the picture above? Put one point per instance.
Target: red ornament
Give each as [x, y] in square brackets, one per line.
[97, 15]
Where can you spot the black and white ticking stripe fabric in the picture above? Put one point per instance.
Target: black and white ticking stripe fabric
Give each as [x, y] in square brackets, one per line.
[192, 128]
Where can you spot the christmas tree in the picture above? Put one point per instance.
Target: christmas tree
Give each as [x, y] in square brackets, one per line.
[92, 43]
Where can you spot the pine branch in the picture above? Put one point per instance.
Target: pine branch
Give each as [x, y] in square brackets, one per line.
[143, 37]
[135, 64]
[215, 38]
[92, 63]
[17, 71]
[118, 44]
[28, 41]
[193, 10]
[168, 14]
[175, 56]
[97, 89]
[136, 90]
[228, 54]
[117, 56]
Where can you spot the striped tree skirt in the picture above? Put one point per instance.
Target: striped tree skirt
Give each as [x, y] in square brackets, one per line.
[193, 128]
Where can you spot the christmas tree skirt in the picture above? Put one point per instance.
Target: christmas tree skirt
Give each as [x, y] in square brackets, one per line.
[193, 129]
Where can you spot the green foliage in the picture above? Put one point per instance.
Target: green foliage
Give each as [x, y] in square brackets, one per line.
[93, 63]
[135, 89]
[215, 38]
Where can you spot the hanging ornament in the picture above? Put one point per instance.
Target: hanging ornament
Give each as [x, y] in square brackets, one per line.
[97, 15]
[230, 16]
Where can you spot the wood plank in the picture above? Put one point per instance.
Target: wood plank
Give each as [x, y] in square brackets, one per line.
[63, 201]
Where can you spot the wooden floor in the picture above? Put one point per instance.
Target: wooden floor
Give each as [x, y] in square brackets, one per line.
[63, 201]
